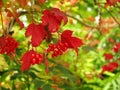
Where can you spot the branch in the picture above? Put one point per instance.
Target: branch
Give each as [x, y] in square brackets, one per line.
[81, 22]
[112, 16]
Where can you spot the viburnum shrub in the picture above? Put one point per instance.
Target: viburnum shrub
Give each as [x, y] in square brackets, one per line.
[59, 44]
[113, 62]
[51, 21]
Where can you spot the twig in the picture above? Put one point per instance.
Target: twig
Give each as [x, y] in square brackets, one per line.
[100, 17]
[2, 23]
[81, 22]
[112, 16]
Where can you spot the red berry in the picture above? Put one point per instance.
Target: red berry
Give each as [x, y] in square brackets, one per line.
[57, 49]
[7, 45]
[110, 67]
[108, 56]
[33, 61]
[33, 55]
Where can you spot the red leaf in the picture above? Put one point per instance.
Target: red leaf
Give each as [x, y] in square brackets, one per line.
[111, 2]
[53, 24]
[52, 18]
[67, 33]
[22, 3]
[41, 1]
[37, 32]
[26, 60]
[1, 3]
[73, 42]
[60, 15]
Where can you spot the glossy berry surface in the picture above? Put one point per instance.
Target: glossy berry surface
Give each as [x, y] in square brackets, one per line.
[57, 49]
[7, 45]
[36, 58]
[30, 58]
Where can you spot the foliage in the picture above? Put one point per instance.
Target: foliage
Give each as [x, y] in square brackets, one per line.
[59, 45]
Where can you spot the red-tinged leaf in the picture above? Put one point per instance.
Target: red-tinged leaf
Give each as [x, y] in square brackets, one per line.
[22, 3]
[52, 18]
[111, 40]
[1, 3]
[37, 32]
[73, 42]
[45, 17]
[111, 2]
[9, 13]
[20, 23]
[26, 60]
[66, 33]
[60, 15]
[53, 24]
[41, 1]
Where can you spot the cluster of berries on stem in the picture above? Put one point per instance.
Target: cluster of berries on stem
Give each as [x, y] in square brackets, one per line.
[7, 45]
[57, 49]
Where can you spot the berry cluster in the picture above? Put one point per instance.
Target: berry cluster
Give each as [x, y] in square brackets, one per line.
[108, 56]
[30, 58]
[36, 58]
[110, 67]
[116, 47]
[7, 45]
[57, 49]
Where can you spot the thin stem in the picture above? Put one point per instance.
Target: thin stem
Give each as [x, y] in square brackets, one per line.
[113, 17]
[32, 4]
[28, 81]
[2, 23]
[85, 24]
[10, 25]
[100, 17]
